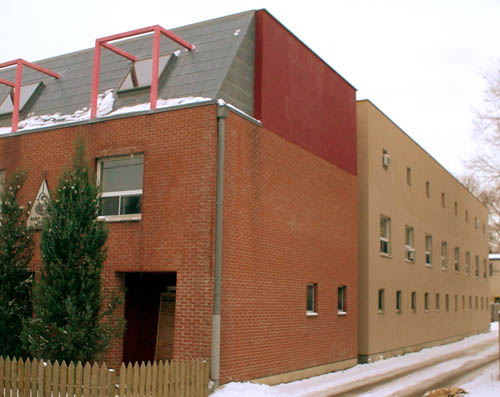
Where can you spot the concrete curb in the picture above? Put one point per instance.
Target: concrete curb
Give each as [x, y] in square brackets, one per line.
[375, 380]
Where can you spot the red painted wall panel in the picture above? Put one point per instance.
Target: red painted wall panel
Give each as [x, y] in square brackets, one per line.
[300, 97]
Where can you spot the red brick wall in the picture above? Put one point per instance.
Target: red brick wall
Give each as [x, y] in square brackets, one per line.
[176, 231]
[300, 97]
[290, 218]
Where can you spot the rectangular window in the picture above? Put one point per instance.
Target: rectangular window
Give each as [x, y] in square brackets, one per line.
[311, 298]
[413, 301]
[470, 302]
[456, 208]
[447, 302]
[341, 302]
[386, 159]
[381, 300]
[408, 176]
[398, 301]
[476, 223]
[463, 302]
[443, 202]
[428, 189]
[444, 255]
[466, 216]
[477, 305]
[467, 262]
[457, 259]
[482, 303]
[438, 302]
[121, 183]
[428, 250]
[456, 303]
[409, 249]
[385, 230]
[485, 269]
[491, 269]
[426, 301]
[476, 271]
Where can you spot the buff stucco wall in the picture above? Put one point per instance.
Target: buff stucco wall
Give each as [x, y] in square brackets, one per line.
[385, 191]
[494, 273]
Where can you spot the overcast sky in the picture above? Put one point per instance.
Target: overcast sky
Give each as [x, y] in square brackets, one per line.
[421, 62]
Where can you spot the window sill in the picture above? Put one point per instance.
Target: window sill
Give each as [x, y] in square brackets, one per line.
[381, 312]
[311, 314]
[444, 269]
[409, 261]
[341, 313]
[120, 218]
[385, 255]
[428, 265]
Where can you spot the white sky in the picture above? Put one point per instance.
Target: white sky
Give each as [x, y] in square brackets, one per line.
[420, 61]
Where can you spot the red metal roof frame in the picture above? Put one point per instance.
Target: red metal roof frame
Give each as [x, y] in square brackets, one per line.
[104, 42]
[16, 87]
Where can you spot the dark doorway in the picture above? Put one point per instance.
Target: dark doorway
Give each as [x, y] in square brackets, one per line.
[142, 304]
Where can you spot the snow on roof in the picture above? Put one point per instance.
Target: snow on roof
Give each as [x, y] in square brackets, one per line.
[105, 102]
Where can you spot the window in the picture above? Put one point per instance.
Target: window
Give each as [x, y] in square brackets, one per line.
[447, 302]
[428, 189]
[466, 216]
[443, 203]
[385, 230]
[476, 223]
[484, 228]
[470, 302]
[491, 269]
[398, 301]
[476, 271]
[444, 255]
[426, 301]
[463, 302]
[456, 208]
[121, 182]
[311, 299]
[456, 303]
[485, 269]
[457, 259]
[467, 262]
[477, 303]
[386, 159]
[341, 302]
[28, 94]
[140, 73]
[409, 250]
[381, 300]
[428, 250]
[438, 302]
[408, 176]
[482, 303]
[413, 301]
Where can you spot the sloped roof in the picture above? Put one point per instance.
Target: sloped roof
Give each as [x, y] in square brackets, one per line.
[223, 51]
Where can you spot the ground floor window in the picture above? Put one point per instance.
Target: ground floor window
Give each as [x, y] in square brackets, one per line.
[341, 302]
[381, 303]
[311, 299]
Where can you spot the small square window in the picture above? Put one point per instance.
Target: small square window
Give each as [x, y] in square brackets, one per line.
[413, 301]
[385, 230]
[121, 183]
[408, 176]
[311, 298]
[341, 300]
[428, 250]
[381, 300]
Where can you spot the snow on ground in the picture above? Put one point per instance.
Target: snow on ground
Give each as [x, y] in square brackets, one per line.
[105, 103]
[486, 383]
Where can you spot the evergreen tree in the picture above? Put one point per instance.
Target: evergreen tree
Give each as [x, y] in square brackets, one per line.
[72, 320]
[16, 251]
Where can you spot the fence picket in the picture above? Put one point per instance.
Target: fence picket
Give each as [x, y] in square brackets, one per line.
[34, 377]
[171, 381]
[63, 379]
[148, 380]
[7, 369]
[55, 379]
[111, 382]
[47, 389]
[20, 376]
[40, 379]
[86, 380]
[166, 379]
[13, 377]
[94, 380]
[2, 366]
[122, 380]
[142, 378]
[27, 377]
[103, 381]
[71, 379]
[130, 379]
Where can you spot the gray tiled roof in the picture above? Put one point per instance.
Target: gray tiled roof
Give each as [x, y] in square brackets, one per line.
[221, 66]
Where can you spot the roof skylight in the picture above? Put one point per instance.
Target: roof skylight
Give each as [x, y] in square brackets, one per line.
[27, 92]
[140, 75]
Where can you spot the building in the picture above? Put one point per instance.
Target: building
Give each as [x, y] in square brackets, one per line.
[422, 249]
[231, 202]
[494, 273]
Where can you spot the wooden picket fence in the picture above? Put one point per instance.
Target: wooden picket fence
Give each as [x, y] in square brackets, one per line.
[39, 378]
